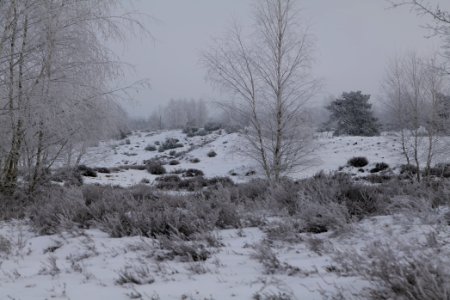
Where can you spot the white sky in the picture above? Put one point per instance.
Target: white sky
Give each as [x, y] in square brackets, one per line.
[355, 39]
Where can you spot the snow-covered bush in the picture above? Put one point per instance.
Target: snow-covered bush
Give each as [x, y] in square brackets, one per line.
[174, 162]
[211, 153]
[401, 270]
[358, 162]
[138, 210]
[186, 251]
[193, 173]
[5, 245]
[150, 148]
[87, 171]
[195, 160]
[135, 275]
[59, 208]
[68, 176]
[155, 167]
[379, 167]
[169, 144]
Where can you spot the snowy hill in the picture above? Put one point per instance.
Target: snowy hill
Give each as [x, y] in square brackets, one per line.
[328, 154]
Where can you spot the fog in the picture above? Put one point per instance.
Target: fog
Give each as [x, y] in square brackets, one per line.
[354, 41]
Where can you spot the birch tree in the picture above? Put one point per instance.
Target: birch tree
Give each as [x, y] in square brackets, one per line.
[413, 87]
[55, 72]
[268, 70]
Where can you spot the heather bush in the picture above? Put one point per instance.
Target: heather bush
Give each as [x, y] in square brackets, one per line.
[379, 167]
[68, 176]
[138, 210]
[169, 144]
[169, 182]
[193, 173]
[87, 171]
[155, 167]
[212, 126]
[400, 270]
[103, 170]
[150, 148]
[211, 153]
[174, 162]
[358, 162]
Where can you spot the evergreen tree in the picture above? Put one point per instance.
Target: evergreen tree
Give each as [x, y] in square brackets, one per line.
[351, 114]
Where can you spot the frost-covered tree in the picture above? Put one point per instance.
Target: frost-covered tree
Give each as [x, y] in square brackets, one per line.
[55, 75]
[268, 71]
[413, 88]
[352, 114]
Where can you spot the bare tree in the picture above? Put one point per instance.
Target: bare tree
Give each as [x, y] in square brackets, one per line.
[55, 74]
[269, 71]
[413, 86]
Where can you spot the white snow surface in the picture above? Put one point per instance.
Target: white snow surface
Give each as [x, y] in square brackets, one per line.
[329, 154]
[87, 264]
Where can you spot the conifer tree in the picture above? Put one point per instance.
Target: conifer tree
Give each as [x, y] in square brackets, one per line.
[352, 114]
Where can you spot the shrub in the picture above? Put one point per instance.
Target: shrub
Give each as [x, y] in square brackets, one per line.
[186, 250]
[170, 143]
[408, 170]
[193, 184]
[169, 182]
[399, 271]
[190, 131]
[379, 167]
[440, 170]
[358, 162]
[174, 162]
[195, 160]
[14, 206]
[69, 176]
[172, 153]
[87, 171]
[103, 170]
[150, 148]
[212, 126]
[212, 153]
[5, 245]
[193, 173]
[59, 208]
[201, 132]
[122, 212]
[136, 275]
[155, 167]
[221, 181]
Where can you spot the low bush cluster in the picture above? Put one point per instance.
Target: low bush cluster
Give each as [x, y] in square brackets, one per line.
[139, 210]
[150, 148]
[379, 167]
[191, 183]
[155, 167]
[169, 144]
[194, 131]
[399, 270]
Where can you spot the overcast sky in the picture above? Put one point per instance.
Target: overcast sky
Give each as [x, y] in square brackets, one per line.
[354, 41]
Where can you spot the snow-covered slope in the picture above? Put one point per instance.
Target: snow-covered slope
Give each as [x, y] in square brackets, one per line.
[328, 153]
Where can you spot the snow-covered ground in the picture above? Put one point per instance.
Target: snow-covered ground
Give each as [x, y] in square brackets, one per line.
[88, 264]
[328, 153]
